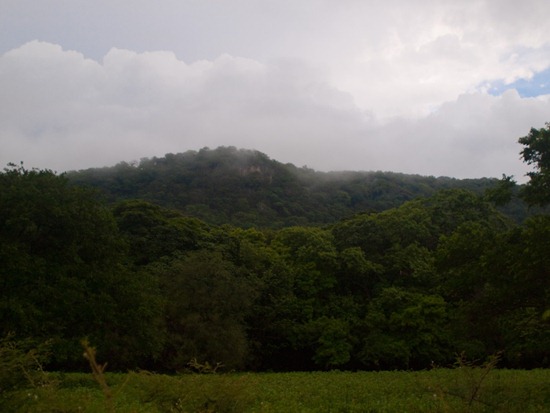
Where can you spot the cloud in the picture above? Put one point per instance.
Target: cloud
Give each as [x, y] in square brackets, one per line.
[62, 111]
[396, 58]
[136, 105]
[406, 58]
[473, 136]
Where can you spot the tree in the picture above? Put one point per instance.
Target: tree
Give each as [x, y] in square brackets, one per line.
[518, 292]
[498, 287]
[62, 275]
[206, 305]
[153, 232]
[331, 342]
[311, 255]
[405, 330]
[537, 153]
[503, 192]
[311, 323]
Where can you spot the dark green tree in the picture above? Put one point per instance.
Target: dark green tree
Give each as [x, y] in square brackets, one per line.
[518, 292]
[206, 305]
[62, 275]
[503, 192]
[312, 322]
[536, 152]
[405, 330]
[153, 232]
[497, 286]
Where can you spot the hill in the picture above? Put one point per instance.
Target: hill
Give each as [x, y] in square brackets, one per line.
[246, 188]
[406, 288]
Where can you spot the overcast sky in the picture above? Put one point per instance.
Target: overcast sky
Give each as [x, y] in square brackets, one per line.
[432, 87]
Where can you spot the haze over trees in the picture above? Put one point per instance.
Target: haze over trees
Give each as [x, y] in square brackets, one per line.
[248, 189]
[225, 256]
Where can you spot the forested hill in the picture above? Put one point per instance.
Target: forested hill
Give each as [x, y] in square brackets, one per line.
[151, 287]
[246, 188]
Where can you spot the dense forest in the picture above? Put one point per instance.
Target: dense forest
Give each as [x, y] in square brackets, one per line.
[246, 188]
[225, 256]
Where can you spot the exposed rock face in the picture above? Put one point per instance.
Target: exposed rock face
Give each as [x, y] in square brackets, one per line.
[256, 170]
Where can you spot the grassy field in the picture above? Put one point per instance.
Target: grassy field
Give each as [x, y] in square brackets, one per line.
[441, 390]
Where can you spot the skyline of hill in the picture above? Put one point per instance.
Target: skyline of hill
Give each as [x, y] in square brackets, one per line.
[247, 188]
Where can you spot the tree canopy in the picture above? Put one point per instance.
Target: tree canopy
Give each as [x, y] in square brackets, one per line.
[63, 276]
[248, 189]
[536, 152]
[154, 286]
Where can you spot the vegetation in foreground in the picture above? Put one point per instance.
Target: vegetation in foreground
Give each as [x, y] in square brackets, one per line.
[466, 388]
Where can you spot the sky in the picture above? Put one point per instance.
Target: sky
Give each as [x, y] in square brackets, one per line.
[429, 87]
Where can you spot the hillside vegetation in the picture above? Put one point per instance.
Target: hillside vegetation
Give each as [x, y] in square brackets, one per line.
[245, 188]
[391, 280]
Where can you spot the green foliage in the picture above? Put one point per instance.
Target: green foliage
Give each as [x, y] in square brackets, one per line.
[439, 390]
[247, 189]
[459, 260]
[152, 287]
[470, 386]
[21, 372]
[154, 232]
[21, 364]
[62, 275]
[518, 292]
[206, 304]
[357, 275]
[498, 282]
[536, 152]
[310, 254]
[405, 330]
[331, 340]
[502, 193]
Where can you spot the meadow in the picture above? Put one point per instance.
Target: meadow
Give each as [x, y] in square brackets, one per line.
[463, 389]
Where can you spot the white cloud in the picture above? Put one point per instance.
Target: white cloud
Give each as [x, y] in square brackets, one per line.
[63, 111]
[474, 136]
[135, 105]
[406, 58]
[348, 84]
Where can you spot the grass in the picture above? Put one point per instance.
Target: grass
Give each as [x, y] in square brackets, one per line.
[439, 390]
[26, 387]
